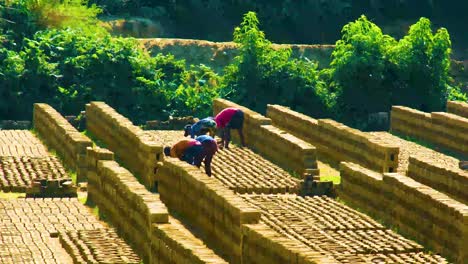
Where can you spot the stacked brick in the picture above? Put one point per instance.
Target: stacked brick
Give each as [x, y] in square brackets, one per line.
[140, 215]
[20, 143]
[261, 244]
[118, 193]
[28, 228]
[97, 246]
[244, 171]
[217, 211]
[443, 129]
[335, 140]
[130, 143]
[286, 150]
[60, 135]
[18, 173]
[329, 228]
[444, 227]
[174, 243]
[448, 179]
[26, 166]
[458, 108]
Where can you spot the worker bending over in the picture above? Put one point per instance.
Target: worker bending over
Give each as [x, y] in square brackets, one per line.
[227, 119]
[194, 151]
[206, 125]
[210, 147]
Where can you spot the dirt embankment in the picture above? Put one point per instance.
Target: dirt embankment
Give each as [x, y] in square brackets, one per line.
[219, 54]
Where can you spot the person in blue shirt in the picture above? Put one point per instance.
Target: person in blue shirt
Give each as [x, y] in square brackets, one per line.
[205, 125]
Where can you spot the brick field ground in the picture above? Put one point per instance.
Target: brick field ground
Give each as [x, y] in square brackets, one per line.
[23, 158]
[20, 143]
[241, 169]
[320, 223]
[327, 226]
[408, 148]
[62, 230]
[30, 228]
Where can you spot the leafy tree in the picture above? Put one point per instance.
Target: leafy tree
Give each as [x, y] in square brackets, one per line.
[372, 71]
[261, 74]
[361, 70]
[423, 62]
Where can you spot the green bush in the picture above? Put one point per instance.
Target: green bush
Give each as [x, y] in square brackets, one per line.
[23, 18]
[361, 71]
[261, 75]
[422, 60]
[69, 67]
[372, 71]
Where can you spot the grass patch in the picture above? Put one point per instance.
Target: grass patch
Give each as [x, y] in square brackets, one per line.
[11, 195]
[96, 141]
[336, 179]
[328, 172]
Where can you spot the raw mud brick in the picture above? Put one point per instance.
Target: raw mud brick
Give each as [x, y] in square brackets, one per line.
[442, 129]
[335, 140]
[26, 226]
[59, 134]
[327, 227]
[21, 143]
[252, 174]
[100, 245]
[443, 175]
[458, 108]
[134, 147]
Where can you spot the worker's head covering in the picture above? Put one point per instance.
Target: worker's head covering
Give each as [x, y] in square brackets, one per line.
[167, 151]
[187, 130]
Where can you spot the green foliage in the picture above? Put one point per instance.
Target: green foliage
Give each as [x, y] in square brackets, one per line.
[194, 96]
[63, 13]
[372, 71]
[423, 62]
[360, 70]
[261, 74]
[68, 68]
[22, 18]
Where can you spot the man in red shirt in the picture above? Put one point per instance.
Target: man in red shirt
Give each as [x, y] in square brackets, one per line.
[227, 119]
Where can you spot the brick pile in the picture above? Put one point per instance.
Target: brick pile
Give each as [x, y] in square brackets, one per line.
[97, 246]
[61, 136]
[158, 237]
[335, 140]
[406, 202]
[442, 129]
[29, 227]
[284, 149]
[330, 228]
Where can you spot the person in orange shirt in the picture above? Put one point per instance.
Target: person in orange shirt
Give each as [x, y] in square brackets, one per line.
[194, 151]
[179, 149]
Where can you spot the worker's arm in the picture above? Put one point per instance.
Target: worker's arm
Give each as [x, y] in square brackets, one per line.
[208, 159]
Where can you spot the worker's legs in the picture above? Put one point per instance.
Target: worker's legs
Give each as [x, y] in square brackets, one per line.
[190, 154]
[237, 122]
